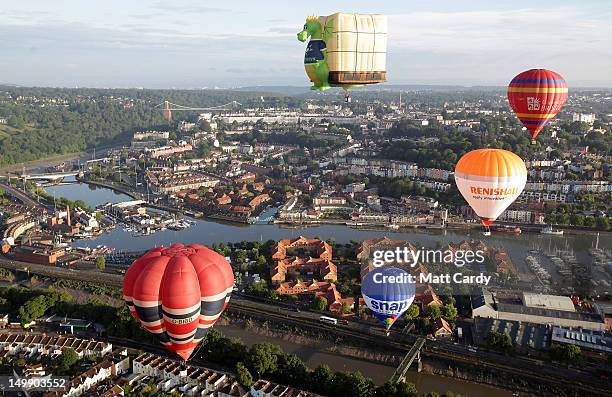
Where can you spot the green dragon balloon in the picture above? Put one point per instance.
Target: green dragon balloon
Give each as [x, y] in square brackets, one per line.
[356, 55]
[315, 58]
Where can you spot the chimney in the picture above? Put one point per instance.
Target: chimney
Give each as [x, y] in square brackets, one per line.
[68, 215]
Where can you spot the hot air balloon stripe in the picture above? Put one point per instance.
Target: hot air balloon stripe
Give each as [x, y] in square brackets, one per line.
[213, 298]
[187, 337]
[536, 90]
[177, 313]
[149, 314]
[212, 308]
[534, 122]
[538, 81]
[539, 116]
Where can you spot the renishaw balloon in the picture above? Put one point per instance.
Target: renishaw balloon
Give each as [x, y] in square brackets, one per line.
[345, 50]
[490, 180]
[388, 292]
[536, 96]
[178, 293]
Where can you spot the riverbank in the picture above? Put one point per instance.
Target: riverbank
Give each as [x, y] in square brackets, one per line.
[461, 226]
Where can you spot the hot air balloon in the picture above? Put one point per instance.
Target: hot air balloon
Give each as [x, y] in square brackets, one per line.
[490, 180]
[178, 293]
[536, 96]
[388, 292]
[345, 50]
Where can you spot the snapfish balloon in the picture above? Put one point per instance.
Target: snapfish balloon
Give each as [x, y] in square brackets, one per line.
[490, 180]
[178, 293]
[536, 96]
[388, 292]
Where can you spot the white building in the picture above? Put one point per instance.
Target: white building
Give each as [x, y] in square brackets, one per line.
[584, 117]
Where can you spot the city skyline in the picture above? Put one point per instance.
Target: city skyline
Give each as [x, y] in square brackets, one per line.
[236, 44]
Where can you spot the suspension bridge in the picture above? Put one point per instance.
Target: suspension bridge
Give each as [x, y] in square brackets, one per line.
[169, 107]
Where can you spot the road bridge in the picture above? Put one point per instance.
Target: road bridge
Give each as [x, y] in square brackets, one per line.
[52, 176]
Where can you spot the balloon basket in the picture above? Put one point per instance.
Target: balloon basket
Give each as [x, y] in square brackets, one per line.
[534, 142]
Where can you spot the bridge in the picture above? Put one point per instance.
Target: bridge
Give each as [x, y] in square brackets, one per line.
[413, 353]
[51, 176]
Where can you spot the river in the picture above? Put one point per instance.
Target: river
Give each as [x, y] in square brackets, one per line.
[209, 232]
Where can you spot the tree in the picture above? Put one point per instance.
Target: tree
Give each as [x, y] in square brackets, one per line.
[567, 353]
[263, 358]
[68, 358]
[319, 303]
[224, 350]
[35, 308]
[205, 125]
[434, 310]
[391, 389]
[602, 223]
[500, 342]
[292, 370]
[449, 311]
[322, 378]
[347, 308]
[352, 384]
[412, 312]
[244, 376]
[101, 263]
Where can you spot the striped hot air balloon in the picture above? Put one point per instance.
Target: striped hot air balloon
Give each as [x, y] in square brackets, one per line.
[178, 293]
[536, 96]
[490, 180]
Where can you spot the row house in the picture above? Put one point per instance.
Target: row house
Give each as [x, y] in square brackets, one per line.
[434, 185]
[173, 377]
[52, 345]
[264, 388]
[518, 216]
[167, 151]
[85, 381]
[571, 186]
[435, 174]
[528, 196]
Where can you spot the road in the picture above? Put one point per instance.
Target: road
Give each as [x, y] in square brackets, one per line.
[24, 198]
[372, 335]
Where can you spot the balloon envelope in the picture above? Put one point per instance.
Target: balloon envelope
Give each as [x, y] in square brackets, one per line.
[178, 293]
[490, 180]
[388, 299]
[536, 96]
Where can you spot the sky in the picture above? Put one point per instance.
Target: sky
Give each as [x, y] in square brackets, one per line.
[197, 44]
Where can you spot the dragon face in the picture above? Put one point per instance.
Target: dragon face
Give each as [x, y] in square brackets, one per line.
[311, 28]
